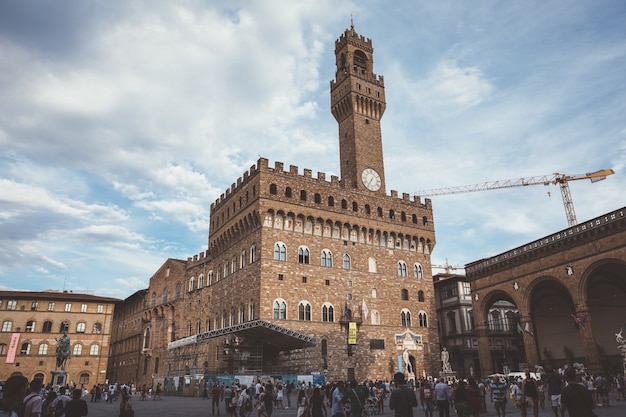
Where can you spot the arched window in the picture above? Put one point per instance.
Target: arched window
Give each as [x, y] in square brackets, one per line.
[423, 319]
[200, 282]
[280, 309]
[303, 195]
[80, 327]
[379, 210]
[331, 201]
[403, 216]
[405, 317]
[153, 300]
[360, 60]
[420, 295]
[392, 214]
[280, 252]
[156, 365]
[425, 221]
[344, 204]
[288, 192]
[78, 349]
[402, 269]
[25, 349]
[303, 255]
[355, 206]
[317, 198]
[97, 328]
[327, 258]
[418, 272]
[177, 297]
[404, 294]
[165, 295]
[192, 284]
[47, 327]
[94, 350]
[273, 189]
[414, 218]
[328, 312]
[304, 311]
[347, 262]
[371, 265]
[7, 326]
[146, 338]
[43, 349]
[253, 254]
[368, 210]
[375, 317]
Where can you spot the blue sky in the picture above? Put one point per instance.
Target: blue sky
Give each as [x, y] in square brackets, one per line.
[122, 121]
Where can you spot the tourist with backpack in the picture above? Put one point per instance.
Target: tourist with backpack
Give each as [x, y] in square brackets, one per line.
[60, 401]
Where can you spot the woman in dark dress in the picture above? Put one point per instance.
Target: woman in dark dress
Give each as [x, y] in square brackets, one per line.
[318, 408]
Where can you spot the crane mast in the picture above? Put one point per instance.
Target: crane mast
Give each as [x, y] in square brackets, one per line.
[551, 179]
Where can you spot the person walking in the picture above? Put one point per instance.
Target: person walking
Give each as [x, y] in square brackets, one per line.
[33, 402]
[76, 407]
[427, 398]
[402, 399]
[498, 396]
[303, 404]
[575, 399]
[318, 408]
[531, 393]
[474, 402]
[442, 398]
[337, 409]
[356, 397]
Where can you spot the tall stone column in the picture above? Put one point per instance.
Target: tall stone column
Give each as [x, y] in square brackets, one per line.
[530, 343]
[484, 351]
[590, 347]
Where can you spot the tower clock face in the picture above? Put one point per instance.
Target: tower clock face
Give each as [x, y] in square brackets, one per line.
[371, 179]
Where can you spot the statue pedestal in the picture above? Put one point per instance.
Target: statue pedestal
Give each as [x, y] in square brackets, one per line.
[448, 375]
[59, 378]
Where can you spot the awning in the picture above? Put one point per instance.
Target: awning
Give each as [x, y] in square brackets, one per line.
[260, 330]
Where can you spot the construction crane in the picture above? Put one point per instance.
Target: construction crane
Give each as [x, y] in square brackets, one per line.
[553, 179]
[447, 267]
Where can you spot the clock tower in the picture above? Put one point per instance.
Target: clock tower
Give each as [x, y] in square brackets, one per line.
[358, 103]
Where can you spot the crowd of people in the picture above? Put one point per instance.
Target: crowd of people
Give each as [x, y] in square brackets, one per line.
[240, 400]
[21, 398]
[561, 390]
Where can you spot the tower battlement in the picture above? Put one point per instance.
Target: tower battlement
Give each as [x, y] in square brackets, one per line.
[351, 36]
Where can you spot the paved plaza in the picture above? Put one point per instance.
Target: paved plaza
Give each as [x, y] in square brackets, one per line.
[198, 407]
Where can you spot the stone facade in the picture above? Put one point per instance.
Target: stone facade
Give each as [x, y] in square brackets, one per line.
[570, 290]
[453, 301]
[38, 318]
[308, 254]
[127, 356]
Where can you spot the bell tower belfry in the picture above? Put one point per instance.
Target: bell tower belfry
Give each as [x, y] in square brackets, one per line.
[358, 103]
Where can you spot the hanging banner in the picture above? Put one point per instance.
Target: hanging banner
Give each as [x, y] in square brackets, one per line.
[352, 333]
[15, 340]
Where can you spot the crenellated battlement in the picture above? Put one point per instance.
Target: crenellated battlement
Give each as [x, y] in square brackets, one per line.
[351, 36]
[200, 258]
[307, 174]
